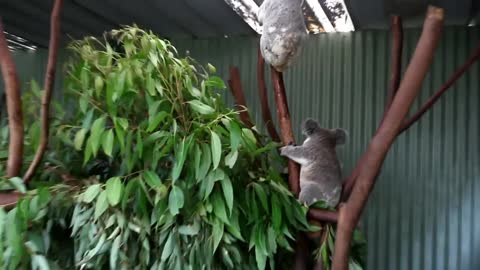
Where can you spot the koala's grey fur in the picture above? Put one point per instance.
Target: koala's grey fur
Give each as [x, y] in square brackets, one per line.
[320, 173]
[283, 32]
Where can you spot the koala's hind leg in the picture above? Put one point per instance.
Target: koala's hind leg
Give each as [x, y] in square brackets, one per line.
[296, 153]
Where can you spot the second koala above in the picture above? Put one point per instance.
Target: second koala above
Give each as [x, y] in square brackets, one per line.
[320, 173]
[283, 32]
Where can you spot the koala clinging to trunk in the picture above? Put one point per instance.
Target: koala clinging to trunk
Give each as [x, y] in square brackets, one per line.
[283, 31]
[320, 173]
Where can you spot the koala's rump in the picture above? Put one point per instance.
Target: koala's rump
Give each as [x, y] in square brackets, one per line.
[325, 179]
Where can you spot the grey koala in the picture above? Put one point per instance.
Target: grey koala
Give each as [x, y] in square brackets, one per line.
[320, 173]
[284, 32]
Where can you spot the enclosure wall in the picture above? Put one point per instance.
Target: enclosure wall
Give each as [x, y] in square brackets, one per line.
[425, 209]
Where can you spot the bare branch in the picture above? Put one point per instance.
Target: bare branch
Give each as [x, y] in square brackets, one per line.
[48, 86]
[14, 107]
[262, 92]
[236, 87]
[387, 132]
[323, 215]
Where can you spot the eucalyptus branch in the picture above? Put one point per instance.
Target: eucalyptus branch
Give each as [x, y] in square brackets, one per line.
[48, 87]
[14, 107]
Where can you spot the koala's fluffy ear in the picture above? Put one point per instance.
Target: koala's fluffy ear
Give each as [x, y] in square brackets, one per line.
[340, 135]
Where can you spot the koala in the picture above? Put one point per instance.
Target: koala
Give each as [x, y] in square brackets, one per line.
[320, 173]
[283, 32]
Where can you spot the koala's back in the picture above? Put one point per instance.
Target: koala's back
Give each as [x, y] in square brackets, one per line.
[322, 178]
[284, 31]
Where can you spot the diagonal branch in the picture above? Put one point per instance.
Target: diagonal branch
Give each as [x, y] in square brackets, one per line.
[48, 86]
[262, 92]
[14, 107]
[433, 99]
[236, 87]
[387, 132]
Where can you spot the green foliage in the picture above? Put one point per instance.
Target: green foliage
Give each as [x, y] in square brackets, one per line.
[325, 251]
[169, 177]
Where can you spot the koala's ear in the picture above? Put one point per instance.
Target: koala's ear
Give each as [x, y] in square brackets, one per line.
[340, 135]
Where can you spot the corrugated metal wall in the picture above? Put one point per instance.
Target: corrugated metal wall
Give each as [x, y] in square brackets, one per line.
[425, 208]
[424, 211]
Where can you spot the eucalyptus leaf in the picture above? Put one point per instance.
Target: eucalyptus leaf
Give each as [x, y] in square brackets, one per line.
[114, 189]
[101, 204]
[216, 149]
[175, 200]
[91, 193]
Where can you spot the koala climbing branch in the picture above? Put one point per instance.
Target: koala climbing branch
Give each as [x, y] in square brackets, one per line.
[48, 87]
[349, 213]
[14, 108]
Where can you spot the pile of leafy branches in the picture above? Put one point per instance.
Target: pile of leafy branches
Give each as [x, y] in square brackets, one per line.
[155, 172]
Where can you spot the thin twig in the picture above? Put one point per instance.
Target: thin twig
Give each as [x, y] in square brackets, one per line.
[262, 92]
[14, 107]
[236, 87]
[387, 132]
[48, 86]
[433, 99]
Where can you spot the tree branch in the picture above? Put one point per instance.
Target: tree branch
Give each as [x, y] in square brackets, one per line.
[323, 215]
[433, 99]
[396, 58]
[262, 92]
[8, 200]
[286, 128]
[283, 113]
[48, 86]
[396, 68]
[381, 142]
[14, 108]
[236, 87]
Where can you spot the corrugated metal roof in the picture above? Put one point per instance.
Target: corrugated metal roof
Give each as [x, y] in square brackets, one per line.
[199, 18]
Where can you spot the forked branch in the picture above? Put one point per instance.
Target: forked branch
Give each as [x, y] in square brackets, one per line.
[387, 132]
[14, 108]
[48, 87]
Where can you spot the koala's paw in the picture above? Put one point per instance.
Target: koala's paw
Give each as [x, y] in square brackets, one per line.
[283, 150]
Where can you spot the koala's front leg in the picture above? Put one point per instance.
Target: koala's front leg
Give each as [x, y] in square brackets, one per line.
[295, 153]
